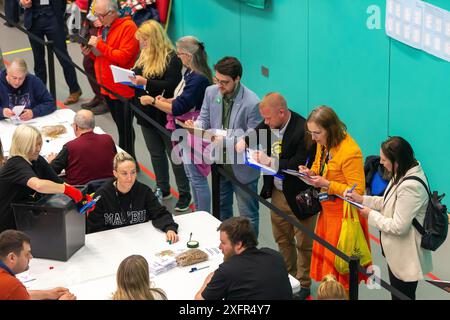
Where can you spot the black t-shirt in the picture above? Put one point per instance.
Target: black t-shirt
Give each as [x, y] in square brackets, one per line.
[14, 176]
[255, 274]
[115, 209]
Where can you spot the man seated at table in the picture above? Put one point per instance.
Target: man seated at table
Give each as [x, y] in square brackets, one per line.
[88, 157]
[247, 273]
[18, 88]
[15, 255]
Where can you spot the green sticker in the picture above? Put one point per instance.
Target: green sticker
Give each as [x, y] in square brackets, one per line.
[218, 100]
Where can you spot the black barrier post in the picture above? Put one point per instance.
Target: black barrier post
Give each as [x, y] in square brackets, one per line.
[215, 190]
[353, 281]
[51, 68]
[126, 130]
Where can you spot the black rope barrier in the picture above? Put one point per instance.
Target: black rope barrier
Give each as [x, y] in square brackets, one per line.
[216, 171]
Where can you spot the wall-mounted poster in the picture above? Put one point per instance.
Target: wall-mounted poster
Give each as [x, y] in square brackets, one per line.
[419, 25]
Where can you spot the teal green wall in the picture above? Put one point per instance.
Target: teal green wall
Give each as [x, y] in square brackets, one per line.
[322, 52]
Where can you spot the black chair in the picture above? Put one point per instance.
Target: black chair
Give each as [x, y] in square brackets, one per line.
[93, 185]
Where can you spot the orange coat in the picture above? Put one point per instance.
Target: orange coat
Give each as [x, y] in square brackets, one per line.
[345, 168]
[120, 49]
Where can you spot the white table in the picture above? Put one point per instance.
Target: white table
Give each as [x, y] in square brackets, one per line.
[60, 116]
[91, 272]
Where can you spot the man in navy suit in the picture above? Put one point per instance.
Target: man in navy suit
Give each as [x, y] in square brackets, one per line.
[46, 18]
[230, 105]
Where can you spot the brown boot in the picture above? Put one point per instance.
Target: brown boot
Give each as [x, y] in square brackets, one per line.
[73, 97]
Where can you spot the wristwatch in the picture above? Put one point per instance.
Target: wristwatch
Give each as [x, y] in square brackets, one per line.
[154, 101]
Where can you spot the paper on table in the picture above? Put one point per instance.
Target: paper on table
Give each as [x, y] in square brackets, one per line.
[17, 111]
[356, 204]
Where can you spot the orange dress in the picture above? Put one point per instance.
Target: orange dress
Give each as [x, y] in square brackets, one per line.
[345, 168]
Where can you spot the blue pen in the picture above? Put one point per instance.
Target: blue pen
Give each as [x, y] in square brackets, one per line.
[196, 269]
[307, 162]
[353, 188]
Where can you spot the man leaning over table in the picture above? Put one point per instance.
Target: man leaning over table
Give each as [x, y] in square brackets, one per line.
[15, 255]
[18, 87]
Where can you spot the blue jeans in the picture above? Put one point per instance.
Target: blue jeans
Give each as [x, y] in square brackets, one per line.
[248, 205]
[200, 188]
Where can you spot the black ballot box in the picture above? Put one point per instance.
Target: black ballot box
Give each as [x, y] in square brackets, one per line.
[56, 228]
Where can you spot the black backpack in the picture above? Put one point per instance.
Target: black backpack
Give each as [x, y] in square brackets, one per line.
[435, 226]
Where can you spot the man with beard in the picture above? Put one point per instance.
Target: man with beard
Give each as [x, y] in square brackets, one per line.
[247, 273]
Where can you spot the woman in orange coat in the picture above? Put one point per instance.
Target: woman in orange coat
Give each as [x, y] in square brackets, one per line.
[337, 167]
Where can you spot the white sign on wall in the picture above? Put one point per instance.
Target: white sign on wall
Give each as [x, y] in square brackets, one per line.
[419, 25]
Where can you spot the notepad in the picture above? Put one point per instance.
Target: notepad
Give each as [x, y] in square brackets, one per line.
[251, 162]
[296, 173]
[122, 76]
[353, 203]
[202, 132]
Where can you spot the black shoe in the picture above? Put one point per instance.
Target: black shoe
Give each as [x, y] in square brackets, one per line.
[302, 294]
[100, 109]
[92, 104]
[167, 195]
[183, 203]
[10, 25]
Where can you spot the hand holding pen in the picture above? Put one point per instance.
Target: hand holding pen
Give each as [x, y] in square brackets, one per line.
[352, 195]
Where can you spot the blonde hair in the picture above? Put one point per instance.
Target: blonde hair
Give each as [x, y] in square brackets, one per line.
[18, 64]
[154, 58]
[133, 281]
[331, 289]
[121, 157]
[24, 141]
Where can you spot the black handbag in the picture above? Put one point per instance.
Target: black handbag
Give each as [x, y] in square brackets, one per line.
[308, 202]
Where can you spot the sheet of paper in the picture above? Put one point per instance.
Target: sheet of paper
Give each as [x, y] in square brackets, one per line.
[358, 205]
[18, 111]
[121, 75]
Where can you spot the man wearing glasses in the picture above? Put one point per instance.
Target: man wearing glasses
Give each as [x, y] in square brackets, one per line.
[230, 105]
[114, 45]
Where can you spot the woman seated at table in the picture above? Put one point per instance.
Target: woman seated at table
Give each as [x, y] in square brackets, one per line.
[25, 173]
[125, 201]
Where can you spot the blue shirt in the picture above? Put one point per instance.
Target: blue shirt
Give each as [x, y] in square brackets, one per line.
[193, 93]
[5, 267]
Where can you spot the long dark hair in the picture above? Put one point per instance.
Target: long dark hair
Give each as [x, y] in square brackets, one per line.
[399, 151]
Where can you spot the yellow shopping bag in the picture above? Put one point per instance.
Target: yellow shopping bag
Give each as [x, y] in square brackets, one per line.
[351, 240]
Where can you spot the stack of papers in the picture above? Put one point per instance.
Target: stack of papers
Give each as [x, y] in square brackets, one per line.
[161, 264]
[122, 76]
[201, 132]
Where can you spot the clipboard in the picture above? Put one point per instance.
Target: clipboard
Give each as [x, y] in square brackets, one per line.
[249, 161]
[297, 173]
[356, 204]
[79, 39]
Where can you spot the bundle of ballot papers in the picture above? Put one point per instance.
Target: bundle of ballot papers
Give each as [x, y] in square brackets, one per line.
[161, 264]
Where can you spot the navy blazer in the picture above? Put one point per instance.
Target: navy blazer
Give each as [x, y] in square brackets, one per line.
[58, 6]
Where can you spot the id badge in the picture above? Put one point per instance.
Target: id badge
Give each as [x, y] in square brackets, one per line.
[323, 196]
[44, 2]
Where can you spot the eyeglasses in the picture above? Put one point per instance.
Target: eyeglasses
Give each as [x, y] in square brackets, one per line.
[221, 82]
[102, 16]
[124, 174]
[314, 133]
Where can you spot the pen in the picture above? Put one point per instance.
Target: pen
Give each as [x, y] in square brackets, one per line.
[196, 269]
[307, 162]
[162, 94]
[353, 188]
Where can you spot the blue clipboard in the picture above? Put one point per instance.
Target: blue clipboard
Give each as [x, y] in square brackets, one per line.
[129, 83]
[261, 167]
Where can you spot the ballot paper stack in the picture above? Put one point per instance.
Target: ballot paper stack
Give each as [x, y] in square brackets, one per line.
[161, 264]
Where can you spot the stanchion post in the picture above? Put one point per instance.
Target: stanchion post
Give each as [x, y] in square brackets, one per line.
[215, 190]
[353, 278]
[51, 68]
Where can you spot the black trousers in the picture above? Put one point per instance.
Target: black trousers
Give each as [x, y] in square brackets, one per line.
[408, 288]
[123, 117]
[52, 28]
[12, 11]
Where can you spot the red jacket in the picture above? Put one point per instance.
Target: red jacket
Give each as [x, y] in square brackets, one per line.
[121, 49]
[11, 288]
